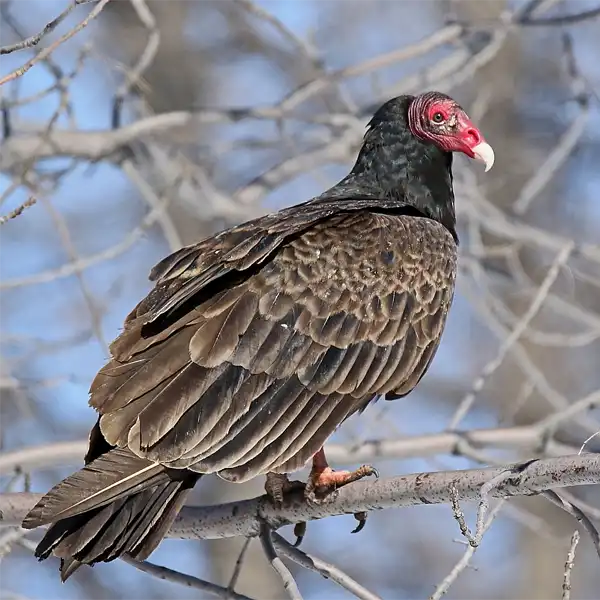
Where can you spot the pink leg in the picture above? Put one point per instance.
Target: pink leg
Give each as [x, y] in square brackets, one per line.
[324, 479]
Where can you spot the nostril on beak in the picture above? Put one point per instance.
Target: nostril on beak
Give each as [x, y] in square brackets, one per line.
[473, 135]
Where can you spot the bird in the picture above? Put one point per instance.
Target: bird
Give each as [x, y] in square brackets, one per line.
[257, 343]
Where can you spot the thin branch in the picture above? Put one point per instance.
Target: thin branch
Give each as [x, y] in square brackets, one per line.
[575, 511]
[50, 49]
[86, 262]
[189, 581]
[551, 422]
[493, 365]
[237, 569]
[554, 161]
[13, 214]
[145, 60]
[321, 83]
[530, 370]
[566, 586]
[107, 144]
[463, 563]
[287, 578]
[566, 144]
[34, 40]
[570, 19]
[305, 49]
[69, 246]
[325, 569]
[482, 509]
[153, 200]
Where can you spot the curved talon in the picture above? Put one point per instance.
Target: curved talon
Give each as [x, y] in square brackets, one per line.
[366, 471]
[361, 517]
[299, 532]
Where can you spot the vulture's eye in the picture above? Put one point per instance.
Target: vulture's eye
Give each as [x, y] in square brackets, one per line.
[438, 117]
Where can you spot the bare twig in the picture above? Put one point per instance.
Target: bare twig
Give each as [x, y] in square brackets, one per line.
[239, 563]
[47, 51]
[574, 510]
[135, 74]
[515, 334]
[571, 19]
[34, 40]
[482, 509]
[564, 148]
[300, 136]
[566, 586]
[84, 263]
[325, 569]
[289, 584]
[301, 45]
[13, 214]
[463, 563]
[190, 581]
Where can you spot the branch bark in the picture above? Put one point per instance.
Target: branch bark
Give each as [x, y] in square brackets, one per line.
[244, 518]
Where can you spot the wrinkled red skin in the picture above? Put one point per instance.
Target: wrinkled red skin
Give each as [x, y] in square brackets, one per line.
[455, 132]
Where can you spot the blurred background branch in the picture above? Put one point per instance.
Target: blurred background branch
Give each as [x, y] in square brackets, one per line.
[132, 127]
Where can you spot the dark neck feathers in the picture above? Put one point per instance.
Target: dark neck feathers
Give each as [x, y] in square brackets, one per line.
[395, 164]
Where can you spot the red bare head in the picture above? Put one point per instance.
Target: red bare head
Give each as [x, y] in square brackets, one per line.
[435, 117]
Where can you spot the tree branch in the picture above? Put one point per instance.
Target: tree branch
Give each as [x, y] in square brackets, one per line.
[289, 583]
[244, 518]
[527, 439]
[184, 579]
[106, 144]
[13, 214]
[569, 19]
[328, 571]
[46, 52]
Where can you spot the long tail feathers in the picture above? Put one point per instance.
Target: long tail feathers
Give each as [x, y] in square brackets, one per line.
[117, 504]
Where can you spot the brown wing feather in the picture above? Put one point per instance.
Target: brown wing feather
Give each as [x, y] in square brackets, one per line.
[192, 269]
[254, 377]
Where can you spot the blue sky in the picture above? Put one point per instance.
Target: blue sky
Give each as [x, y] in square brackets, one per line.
[100, 206]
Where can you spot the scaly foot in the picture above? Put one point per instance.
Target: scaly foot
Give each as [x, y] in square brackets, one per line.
[278, 484]
[322, 485]
[324, 481]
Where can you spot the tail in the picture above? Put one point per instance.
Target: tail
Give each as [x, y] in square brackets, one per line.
[117, 504]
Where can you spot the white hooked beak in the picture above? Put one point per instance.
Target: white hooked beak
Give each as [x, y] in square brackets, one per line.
[485, 154]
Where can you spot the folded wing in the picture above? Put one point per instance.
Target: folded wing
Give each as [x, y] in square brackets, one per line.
[255, 376]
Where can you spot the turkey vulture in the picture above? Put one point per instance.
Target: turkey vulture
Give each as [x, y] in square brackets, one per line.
[257, 343]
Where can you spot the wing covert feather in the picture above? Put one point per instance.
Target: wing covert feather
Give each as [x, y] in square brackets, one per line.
[256, 376]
